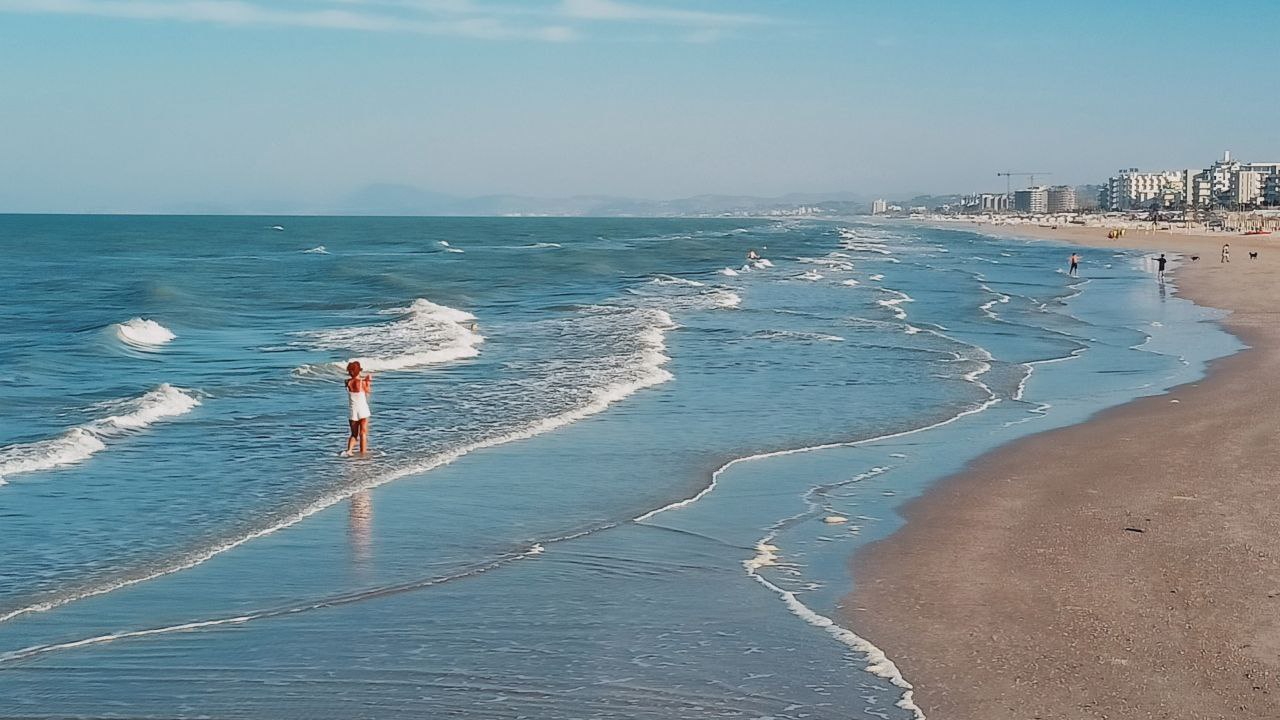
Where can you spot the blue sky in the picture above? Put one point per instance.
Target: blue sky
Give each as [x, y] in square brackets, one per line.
[143, 105]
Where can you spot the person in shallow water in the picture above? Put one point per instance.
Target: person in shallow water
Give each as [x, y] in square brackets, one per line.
[1075, 265]
[358, 391]
[752, 254]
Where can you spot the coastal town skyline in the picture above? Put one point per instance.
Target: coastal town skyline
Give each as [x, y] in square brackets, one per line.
[314, 106]
[639, 360]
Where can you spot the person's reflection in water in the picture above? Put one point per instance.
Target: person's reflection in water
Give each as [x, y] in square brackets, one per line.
[360, 527]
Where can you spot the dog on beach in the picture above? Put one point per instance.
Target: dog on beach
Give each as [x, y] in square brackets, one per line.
[1195, 258]
[1253, 256]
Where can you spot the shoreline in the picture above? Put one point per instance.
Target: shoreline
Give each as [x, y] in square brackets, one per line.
[1124, 567]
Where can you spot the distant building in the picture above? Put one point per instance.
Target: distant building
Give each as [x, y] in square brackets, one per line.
[1271, 190]
[1087, 197]
[1061, 199]
[1034, 200]
[1131, 189]
[879, 207]
[1246, 187]
[1249, 186]
[1230, 183]
[1214, 184]
[993, 202]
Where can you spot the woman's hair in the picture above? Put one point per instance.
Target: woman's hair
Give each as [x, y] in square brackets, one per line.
[353, 368]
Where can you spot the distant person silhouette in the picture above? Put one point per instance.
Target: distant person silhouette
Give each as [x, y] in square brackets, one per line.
[1074, 271]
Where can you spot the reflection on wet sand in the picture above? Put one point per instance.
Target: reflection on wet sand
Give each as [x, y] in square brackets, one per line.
[360, 526]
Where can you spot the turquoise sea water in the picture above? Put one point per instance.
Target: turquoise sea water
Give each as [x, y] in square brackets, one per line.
[605, 451]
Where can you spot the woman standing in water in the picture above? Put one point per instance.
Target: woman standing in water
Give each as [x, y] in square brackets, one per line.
[358, 391]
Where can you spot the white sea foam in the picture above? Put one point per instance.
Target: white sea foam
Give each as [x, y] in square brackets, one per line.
[637, 369]
[878, 663]
[865, 246]
[893, 303]
[730, 272]
[81, 442]
[796, 335]
[838, 264]
[317, 250]
[677, 294]
[346, 599]
[725, 298]
[425, 334]
[809, 275]
[983, 359]
[877, 277]
[142, 333]
[849, 283]
[767, 555]
[673, 280]
[1031, 367]
[999, 298]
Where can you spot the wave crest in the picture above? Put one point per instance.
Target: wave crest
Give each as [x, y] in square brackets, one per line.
[82, 442]
[425, 334]
[142, 333]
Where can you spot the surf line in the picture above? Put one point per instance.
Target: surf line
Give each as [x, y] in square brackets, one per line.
[655, 374]
[971, 377]
[532, 550]
[878, 663]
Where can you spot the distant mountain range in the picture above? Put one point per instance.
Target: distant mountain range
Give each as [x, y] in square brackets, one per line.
[389, 199]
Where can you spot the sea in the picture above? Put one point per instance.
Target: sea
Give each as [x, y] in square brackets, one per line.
[617, 470]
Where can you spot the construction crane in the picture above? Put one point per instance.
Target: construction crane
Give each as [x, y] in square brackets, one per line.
[1031, 176]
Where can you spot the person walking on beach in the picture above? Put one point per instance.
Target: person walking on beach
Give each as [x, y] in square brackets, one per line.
[358, 390]
[1160, 261]
[1075, 266]
[1226, 253]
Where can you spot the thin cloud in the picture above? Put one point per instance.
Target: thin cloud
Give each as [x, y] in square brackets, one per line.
[449, 18]
[614, 11]
[554, 21]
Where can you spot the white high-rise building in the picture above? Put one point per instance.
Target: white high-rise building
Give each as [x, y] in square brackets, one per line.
[1249, 186]
[1246, 187]
[1226, 183]
[879, 207]
[1033, 200]
[1062, 198]
[1131, 188]
[993, 202]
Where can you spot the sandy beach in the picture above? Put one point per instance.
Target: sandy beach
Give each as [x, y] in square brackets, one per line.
[1128, 567]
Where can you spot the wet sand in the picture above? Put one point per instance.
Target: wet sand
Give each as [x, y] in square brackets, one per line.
[1127, 567]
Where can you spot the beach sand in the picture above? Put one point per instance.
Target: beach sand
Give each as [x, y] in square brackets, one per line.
[1127, 567]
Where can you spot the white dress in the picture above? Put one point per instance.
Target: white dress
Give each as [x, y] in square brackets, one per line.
[359, 404]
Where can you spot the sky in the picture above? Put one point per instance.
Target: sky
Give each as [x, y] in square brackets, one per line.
[271, 105]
